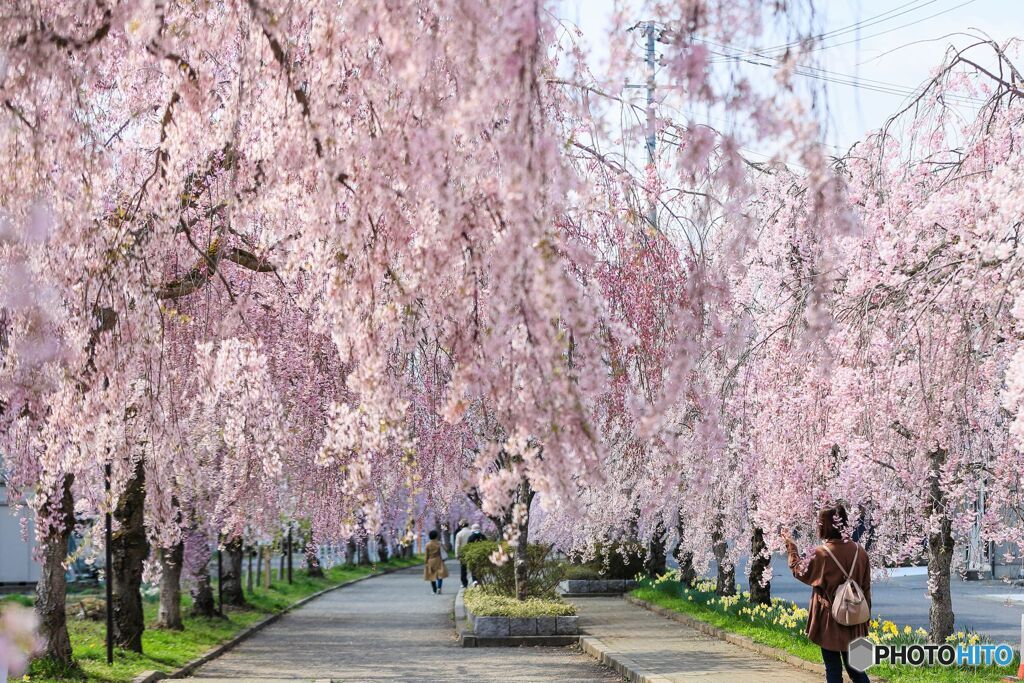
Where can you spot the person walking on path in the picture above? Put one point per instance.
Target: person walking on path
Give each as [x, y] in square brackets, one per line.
[460, 540]
[476, 534]
[834, 562]
[434, 570]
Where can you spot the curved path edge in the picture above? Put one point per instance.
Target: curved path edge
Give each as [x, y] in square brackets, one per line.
[246, 633]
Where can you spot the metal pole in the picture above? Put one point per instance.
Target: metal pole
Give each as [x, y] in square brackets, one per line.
[652, 211]
[109, 567]
[290, 553]
[220, 582]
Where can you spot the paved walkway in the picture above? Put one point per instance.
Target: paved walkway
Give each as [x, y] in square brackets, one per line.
[392, 628]
[389, 628]
[673, 652]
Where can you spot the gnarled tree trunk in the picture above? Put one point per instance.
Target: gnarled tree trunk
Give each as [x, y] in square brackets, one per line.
[231, 586]
[522, 522]
[726, 583]
[203, 604]
[760, 559]
[129, 549]
[687, 574]
[313, 567]
[51, 589]
[382, 548]
[940, 553]
[169, 612]
[656, 563]
[267, 554]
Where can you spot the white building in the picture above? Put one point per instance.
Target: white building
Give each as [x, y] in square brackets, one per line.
[16, 564]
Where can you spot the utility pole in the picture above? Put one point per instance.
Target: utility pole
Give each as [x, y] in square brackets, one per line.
[650, 139]
[650, 60]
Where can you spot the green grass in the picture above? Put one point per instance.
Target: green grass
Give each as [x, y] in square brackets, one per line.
[169, 650]
[484, 603]
[781, 626]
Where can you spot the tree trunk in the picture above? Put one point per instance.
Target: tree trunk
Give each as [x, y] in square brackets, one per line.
[940, 554]
[313, 567]
[726, 584]
[169, 613]
[382, 548]
[656, 563]
[266, 552]
[203, 604]
[51, 589]
[350, 551]
[444, 531]
[250, 556]
[521, 557]
[129, 549]
[234, 554]
[687, 574]
[760, 559]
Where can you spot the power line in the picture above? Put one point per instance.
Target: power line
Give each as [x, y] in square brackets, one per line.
[838, 78]
[856, 26]
[896, 28]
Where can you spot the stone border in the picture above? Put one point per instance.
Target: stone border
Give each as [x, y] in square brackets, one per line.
[586, 588]
[245, 634]
[600, 652]
[478, 631]
[618, 663]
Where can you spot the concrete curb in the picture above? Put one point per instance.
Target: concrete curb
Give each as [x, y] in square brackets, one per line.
[732, 638]
[619, 663]
[244, 634]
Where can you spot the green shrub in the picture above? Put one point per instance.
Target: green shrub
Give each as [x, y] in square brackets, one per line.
[620, 560]
[483, 602]
[542, 572]
[17, 598]
[584, 572]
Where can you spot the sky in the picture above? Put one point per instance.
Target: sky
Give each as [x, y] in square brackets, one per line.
[873, 66]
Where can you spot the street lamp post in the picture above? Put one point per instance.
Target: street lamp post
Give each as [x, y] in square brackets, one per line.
[109, 567]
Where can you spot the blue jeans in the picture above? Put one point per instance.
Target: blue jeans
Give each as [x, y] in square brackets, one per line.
[436, 584]
[835, 662]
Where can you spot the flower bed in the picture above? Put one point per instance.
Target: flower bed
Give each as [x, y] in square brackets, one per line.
[487, 604]
[782, 624]
[499, 616]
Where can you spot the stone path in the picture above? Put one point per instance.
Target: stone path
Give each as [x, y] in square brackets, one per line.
[663, 650]
[389, 628]
[392, 628]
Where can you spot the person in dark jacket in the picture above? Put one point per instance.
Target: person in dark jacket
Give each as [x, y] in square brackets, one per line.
[824, 575]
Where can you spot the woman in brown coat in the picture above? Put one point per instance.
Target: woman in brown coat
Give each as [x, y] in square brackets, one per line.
[434, 570]
[824, 575]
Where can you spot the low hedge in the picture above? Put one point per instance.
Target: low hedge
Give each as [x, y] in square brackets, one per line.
[619, 560]
[485, 603]
[542, 572]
